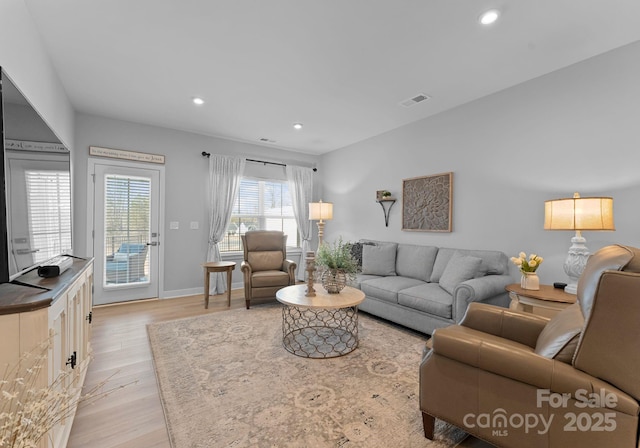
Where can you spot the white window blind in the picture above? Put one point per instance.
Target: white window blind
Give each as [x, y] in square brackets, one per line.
[127, 211]
[260, 205]
[49, 203]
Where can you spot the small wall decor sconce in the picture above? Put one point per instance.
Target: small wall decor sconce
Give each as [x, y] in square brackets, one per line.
[386, 201]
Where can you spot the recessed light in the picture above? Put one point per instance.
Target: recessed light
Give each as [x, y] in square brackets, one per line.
[198, 101]
[489, 17]
[297, 125]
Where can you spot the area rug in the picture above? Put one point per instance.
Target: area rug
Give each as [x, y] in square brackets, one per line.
[226, 381]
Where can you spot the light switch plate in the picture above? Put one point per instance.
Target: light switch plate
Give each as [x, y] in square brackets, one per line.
[195, 225]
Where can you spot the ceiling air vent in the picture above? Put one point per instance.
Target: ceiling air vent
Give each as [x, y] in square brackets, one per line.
[266, 140]
[419, 98]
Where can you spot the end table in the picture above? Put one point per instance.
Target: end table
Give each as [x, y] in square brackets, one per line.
[547, 301]
[217, 266]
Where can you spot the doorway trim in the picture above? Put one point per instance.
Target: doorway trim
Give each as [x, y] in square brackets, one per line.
[91, 169]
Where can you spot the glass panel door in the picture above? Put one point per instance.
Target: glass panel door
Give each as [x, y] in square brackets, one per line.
[127, 229]
[126, 238]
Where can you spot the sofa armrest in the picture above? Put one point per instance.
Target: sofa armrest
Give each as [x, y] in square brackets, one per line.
[517, 326]
[478, 290]
[289, 266]
[520, 363]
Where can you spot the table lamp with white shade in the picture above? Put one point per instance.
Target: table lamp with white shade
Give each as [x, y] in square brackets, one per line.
[579, 214]
[320, 211]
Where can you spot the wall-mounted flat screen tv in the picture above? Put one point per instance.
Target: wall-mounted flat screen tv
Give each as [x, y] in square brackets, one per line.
[37, 182]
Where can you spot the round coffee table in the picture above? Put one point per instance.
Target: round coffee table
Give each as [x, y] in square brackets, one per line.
[324, 326]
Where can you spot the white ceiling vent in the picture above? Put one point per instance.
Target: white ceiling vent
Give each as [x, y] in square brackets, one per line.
[266, 140]
[419, 98]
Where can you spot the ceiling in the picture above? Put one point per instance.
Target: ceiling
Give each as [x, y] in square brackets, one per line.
[340, 67]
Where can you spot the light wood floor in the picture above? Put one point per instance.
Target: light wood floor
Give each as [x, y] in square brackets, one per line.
[132, 417]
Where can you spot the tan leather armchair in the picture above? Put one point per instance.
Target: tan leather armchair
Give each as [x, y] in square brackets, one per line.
[519, 380]
[265, 266]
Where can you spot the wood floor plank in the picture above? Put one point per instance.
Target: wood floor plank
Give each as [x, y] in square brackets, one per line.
[131, 417]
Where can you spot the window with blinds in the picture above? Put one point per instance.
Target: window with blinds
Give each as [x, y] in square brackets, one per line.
[260, 205]
[127, 211]
[49, 204]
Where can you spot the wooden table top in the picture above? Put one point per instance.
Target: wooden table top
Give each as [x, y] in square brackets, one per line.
[295, 296]
[546, 292]
[219, 264]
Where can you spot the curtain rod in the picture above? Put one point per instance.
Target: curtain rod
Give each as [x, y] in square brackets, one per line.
[208, 154]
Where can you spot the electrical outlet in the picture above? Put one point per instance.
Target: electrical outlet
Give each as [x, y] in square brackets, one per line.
[174, 225]
[195, 225]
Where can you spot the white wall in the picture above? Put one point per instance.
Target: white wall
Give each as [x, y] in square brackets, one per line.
[577, 129]
[186, 173]
[24, 58]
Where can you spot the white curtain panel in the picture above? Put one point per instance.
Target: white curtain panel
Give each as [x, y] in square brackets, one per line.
[301, 188]
[225, 173]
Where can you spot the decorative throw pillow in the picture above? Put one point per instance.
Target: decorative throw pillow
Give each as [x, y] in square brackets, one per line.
[559, 338]
[356, 251]
[459, 269]
[379, 259]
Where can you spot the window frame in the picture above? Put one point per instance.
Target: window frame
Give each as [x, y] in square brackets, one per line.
[260, 217]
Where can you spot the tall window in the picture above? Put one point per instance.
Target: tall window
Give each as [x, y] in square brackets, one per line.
[260, 205]
[49, 202]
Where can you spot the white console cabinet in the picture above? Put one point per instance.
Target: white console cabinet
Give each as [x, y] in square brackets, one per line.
[54, 311]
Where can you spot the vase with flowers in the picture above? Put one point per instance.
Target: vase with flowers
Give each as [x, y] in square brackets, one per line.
[528, 267]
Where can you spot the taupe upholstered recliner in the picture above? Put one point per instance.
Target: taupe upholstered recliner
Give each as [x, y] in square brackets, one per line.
[519, 380]
[265, 266]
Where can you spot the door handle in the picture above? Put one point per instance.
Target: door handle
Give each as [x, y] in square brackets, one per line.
[153, 243]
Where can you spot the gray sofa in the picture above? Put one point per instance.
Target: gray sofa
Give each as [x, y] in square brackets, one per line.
[426, 287]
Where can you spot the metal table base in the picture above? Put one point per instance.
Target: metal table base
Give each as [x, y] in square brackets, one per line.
[318, 332]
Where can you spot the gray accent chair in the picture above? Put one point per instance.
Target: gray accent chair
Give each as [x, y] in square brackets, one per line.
[265, 267]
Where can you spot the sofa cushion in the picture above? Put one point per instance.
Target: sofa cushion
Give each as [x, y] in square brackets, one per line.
[428, 298]
[386, 288]
[415, 261]
[379, 259]
[559, 338]
[459, 269]
[493, 262]
[363, 278]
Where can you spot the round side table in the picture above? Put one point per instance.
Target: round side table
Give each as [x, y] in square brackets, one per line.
[217, 266]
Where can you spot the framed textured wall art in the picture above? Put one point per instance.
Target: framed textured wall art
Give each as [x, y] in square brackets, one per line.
[426, 203]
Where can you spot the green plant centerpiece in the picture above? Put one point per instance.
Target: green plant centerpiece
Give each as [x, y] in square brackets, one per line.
[336, 265]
